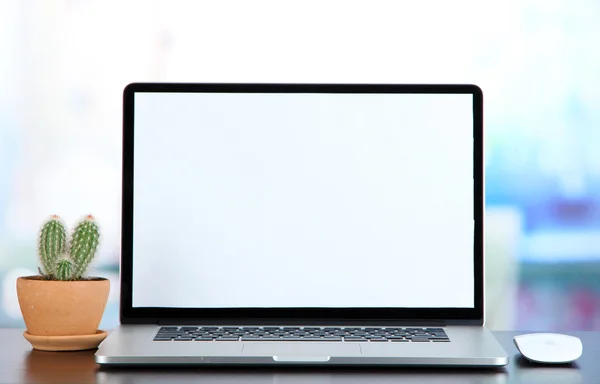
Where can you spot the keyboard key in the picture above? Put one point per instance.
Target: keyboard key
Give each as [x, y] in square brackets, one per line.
[440, 340]
[420, 340]
[169, 336]
[399, 340]
[162, 339]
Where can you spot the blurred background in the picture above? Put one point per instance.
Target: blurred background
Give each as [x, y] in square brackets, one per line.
[64, 63]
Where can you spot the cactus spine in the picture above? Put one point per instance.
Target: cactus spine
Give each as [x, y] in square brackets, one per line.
[84, 242]
[64, 259]
[52, 245]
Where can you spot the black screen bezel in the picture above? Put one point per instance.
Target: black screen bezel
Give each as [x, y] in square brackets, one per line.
[154, 315]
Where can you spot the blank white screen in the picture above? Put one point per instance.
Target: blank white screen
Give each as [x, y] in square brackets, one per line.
[303, 200]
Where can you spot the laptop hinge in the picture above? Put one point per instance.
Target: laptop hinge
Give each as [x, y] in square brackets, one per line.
[258, 322]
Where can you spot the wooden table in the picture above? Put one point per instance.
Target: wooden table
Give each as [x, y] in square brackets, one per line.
[20, 364]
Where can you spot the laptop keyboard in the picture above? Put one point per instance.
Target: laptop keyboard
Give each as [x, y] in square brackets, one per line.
[371, 335]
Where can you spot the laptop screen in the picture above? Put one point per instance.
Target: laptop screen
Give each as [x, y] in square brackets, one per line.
[303, 200]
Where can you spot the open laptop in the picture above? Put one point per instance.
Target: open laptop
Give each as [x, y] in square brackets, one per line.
[288, 224]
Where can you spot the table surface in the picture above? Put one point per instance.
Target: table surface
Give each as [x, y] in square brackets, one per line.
[20, 364]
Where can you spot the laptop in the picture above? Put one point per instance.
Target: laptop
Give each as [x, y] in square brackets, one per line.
[302, 224]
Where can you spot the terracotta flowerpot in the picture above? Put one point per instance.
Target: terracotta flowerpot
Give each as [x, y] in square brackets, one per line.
[62, 308]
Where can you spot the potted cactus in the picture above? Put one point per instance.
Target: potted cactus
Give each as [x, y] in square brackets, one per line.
[62, 307]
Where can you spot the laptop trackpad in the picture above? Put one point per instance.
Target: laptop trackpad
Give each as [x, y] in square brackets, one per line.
[308, 351]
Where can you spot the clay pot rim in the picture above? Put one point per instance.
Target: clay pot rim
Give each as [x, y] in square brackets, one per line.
[90, 279]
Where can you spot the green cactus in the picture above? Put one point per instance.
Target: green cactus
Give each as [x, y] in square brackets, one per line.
[64, 270]
[60, 262]
[84, 243]
[52, 244]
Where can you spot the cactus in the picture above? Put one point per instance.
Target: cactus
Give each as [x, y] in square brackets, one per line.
[84, 242]
[64, 259]
[64, 270]
[52, 244]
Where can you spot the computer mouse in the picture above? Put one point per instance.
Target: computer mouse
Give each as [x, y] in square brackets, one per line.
[549, 348]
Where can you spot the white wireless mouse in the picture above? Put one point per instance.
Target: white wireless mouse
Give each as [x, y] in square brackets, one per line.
[549, 348]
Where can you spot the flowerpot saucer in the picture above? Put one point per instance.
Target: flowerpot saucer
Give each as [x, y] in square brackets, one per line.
[66, 343]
